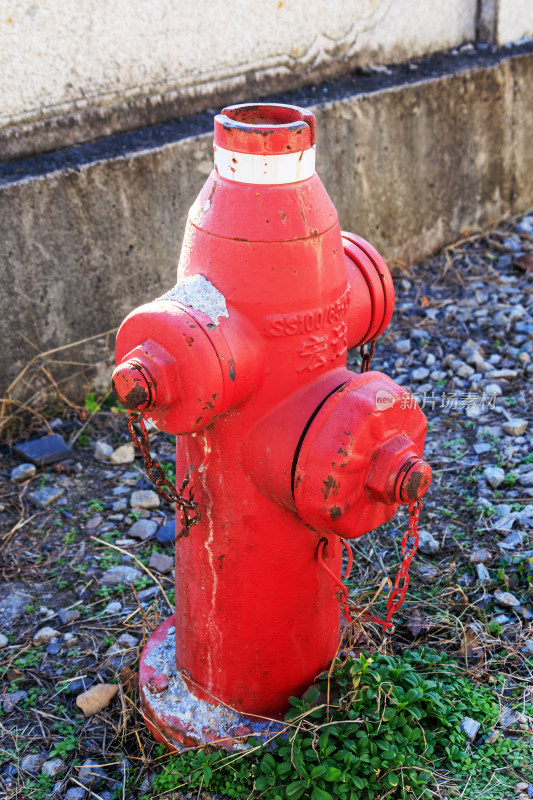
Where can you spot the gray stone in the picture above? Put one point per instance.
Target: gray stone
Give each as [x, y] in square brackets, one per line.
[428, 573]
[402, 346]
[502, 619]
[148, 593]
[483, 574]
[527, 648]
[4, 641]
[494, 476]
[161, 563]
[46, 495]
[143, 529]
[145, 498]
[45, 635]
[32, 763]
[13, 603]
[52, 767]
[427, 544]
[13, 699]
[120, 574]
[510, 718]
[526, 479]
[506, 599]
[79, 685]
[102, 451]
[515, 427]
[127, 640]
[470, 728]
[492, 737]
[481, 556]
[125, 454]
[23, 472]
[166, 533]
[67, 615]
[512, 540]
[419, 374]
[480, 448]
[113, 608]
[75, 793]
[91, 771]
[44, 451]
[120, 505]
[465, 371]
[94, 522]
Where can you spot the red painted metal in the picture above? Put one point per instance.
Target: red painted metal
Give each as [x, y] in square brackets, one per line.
[250, 372]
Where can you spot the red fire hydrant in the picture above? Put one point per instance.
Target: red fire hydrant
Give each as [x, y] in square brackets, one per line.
[282, 449]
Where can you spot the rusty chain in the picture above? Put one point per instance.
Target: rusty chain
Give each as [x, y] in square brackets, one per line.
[367, 356]
[188, 507]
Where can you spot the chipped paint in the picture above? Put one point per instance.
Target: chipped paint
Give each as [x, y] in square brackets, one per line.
[200, 294]
[197, 716]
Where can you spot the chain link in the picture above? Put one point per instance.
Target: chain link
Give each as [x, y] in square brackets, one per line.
[188, 508]
[401, 582]
[367, 356]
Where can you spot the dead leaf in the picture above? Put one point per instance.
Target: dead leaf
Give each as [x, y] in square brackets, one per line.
[417, 624]
[474, 649]
[525, 262]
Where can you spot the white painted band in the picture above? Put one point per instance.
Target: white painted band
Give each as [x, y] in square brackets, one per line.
[252, 168]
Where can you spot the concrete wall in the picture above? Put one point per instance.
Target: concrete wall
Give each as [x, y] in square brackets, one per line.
[411, 159]
[73, 71]
[504, 21]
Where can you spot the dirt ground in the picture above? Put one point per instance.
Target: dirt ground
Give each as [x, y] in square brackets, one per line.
[461, 340]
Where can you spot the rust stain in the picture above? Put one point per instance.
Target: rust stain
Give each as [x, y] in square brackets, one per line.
[331, 486]
[282, 216]
[335, 512]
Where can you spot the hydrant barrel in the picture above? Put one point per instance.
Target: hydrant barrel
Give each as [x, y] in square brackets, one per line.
[244, 360]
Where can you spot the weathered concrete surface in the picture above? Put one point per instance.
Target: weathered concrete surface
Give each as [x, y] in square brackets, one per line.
[504, 21]
[411, 161]
[73, 71]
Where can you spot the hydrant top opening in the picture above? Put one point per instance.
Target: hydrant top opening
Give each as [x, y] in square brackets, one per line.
[262, 129]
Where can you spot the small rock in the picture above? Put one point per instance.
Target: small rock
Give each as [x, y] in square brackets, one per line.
[52, 767]
[515, 427]
[492, 389]
[91, 771]
[480, 448]
[483, 574]
[161, 563]
[465, 371]
[509, 718]
[526, 479]
[113, 608]
[12, 606]
[166, 533]
[428, 573]
[44, 451]
[512, 540]
[46, 495]
[94, 522]
[76, 793]
[79, 685]
[102, 451]
[506, 599]
[125, 454]
[481, 556]
[127, 640]
[144, 498]
[527, 647]
[12, 700]
[120, 505]
[492, 737]
[494, 476]
[427, 544]
[470, 728]
[4, 641]
[420, 374]
[67, 615]
[403, 346]
[97, 698]
[53, 648]
[120, 574]
[44, 636]
[521, 787]
[23, 472]
[143, 529]
[502, 619]
[146, 594]
[32, 763]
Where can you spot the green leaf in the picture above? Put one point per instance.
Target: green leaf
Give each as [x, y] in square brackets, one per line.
[320, 794]
[318, 771]
[295, 789]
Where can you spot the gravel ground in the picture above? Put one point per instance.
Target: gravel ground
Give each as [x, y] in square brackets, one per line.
[86, 561]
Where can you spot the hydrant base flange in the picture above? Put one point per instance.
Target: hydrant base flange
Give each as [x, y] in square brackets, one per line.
[179, 719]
